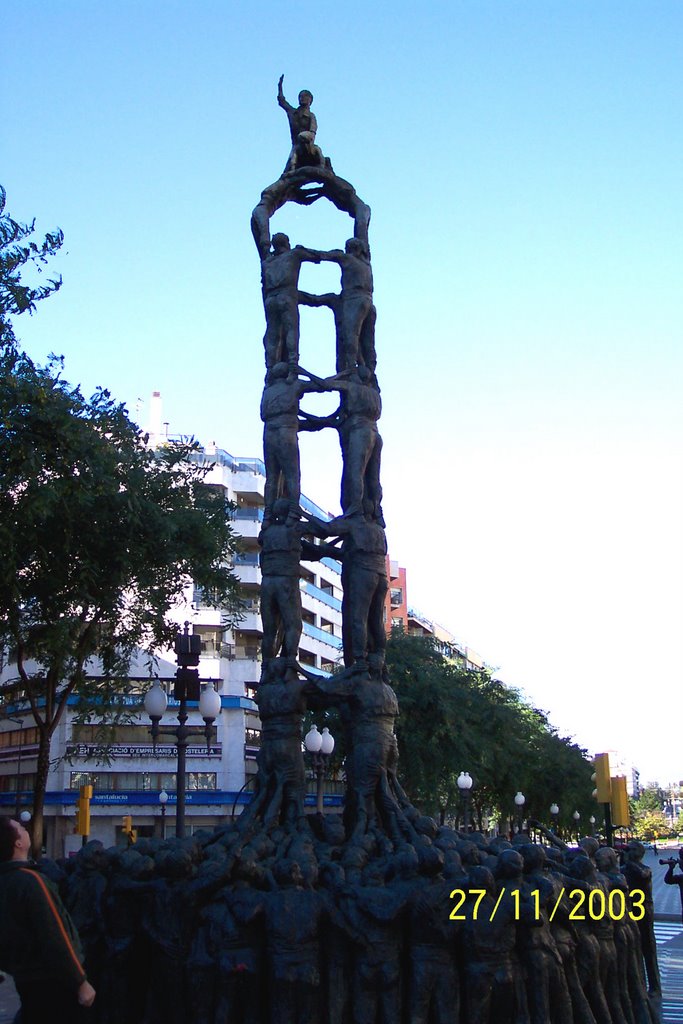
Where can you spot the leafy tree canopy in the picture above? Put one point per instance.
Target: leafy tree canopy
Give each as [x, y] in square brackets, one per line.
[456, 720]
[99, 534]
[18, 251]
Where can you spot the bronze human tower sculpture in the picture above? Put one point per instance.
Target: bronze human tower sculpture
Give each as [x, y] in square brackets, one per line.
[361, 691]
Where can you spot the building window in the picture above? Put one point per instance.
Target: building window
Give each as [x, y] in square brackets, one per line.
[19, 738]
[27, 782]
[145, 782]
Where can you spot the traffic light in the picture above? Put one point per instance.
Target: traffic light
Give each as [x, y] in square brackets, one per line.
[620, 812]
[128, 829]
[83, 811]
[602, 778]
[188, 647]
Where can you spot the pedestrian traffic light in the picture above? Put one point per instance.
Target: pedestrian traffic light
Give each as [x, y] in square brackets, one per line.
[602, 778]
[620, 810]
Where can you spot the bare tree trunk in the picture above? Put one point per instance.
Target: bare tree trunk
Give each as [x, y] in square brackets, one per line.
[42, 772]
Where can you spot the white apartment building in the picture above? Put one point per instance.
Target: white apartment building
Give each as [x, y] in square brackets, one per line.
[130, 779]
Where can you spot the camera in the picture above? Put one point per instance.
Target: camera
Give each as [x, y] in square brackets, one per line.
[669, 861]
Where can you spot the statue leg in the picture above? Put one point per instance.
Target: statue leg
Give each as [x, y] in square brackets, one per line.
[290, 323]
[272, 339]
[353, 312]
[289, 605]
[273, 462]
[368, 353]
[376, 633]
[372, 489]
[360, 597]
[356, 446]
[270, 618]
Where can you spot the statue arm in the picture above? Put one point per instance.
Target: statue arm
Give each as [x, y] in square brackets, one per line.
[281, 96]
[319, 255]
[314, 552]
[321, 528]
[306, 299]
[310, 422]
[548, 834]
[670, 878]
[330, 689]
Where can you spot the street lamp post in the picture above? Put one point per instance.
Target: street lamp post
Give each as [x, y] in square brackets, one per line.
[465, 785]
[577, 817]
[163, 800]
[554, 811]
[520, 800]
[187, 649]
[320, 746]
[592, 824]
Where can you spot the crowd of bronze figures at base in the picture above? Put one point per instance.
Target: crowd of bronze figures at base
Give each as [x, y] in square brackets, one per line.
[296, 925]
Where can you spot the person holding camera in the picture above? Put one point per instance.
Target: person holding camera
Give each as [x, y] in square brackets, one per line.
[671, 879]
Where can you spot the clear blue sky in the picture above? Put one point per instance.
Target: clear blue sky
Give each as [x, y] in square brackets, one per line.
[522, 161]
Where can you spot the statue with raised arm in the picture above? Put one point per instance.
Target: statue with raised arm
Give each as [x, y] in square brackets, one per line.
[303, 128]
[280, 278]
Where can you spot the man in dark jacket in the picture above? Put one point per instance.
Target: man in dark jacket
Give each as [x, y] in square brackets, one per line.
[39, 945]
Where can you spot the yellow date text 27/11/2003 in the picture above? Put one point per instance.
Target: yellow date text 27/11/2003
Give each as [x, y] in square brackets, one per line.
[594, 905]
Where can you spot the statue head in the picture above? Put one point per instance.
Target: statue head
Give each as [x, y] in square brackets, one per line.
[582, 867]
[305, 98]
[510, 864]
[606, 859]
[635, 850]
[287, 872]
[281, 242]
[356, 247]
[482, 878]
[589, 845]
[534, 857]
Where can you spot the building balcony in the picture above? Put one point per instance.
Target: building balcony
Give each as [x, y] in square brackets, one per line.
[323, 636]
[322, 595]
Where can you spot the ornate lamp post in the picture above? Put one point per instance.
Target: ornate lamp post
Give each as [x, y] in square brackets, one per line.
[319, 746]
[520, 800]
[592, 823]
[187, 648]
[554, 811]
[577, 817]
[163, 800]
[465, 785]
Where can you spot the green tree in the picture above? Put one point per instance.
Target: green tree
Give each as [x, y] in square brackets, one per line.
[650, 824]
[99, 536]
[454, 720]
[18, 252]
[650, 799]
